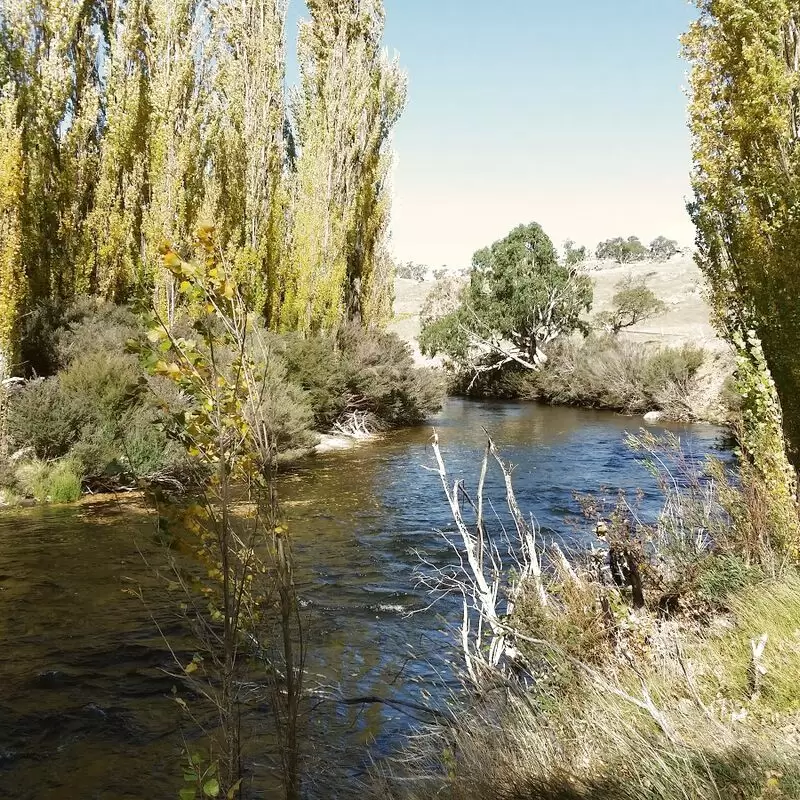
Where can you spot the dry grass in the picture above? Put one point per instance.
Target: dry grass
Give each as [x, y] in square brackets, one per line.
[593, 742]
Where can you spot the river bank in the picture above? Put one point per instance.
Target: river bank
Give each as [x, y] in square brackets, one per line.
[674, 363]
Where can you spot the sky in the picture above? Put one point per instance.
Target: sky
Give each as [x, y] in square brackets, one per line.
[569, 113]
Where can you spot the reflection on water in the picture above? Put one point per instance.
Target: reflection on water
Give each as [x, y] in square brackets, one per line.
[84, 703]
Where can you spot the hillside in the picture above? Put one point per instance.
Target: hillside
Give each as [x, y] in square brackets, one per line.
[677, 282]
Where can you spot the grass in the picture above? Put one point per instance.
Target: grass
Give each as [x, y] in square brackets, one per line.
[771, 608]
[58, 482]
[656, 698]
[594, 741]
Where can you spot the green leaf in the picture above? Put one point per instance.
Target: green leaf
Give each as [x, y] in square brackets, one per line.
[211, 788]
[187, 794]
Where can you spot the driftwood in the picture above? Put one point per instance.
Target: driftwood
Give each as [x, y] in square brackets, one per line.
[481, 576]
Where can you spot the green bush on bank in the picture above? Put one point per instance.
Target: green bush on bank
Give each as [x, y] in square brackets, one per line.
[603, 371]
[363, 371]
[97, 418]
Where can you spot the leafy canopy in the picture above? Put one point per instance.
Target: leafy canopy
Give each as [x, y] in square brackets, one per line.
[633, 302]
[518, 299]
[623, 251]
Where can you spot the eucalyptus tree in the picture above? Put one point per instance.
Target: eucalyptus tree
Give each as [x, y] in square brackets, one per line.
[351, 96]
[520, 297]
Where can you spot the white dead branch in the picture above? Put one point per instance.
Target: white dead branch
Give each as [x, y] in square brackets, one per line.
[484, 579]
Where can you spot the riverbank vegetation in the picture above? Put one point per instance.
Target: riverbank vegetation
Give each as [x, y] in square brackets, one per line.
[96, 416]
[520, 328]
[662, 663]
[127, 129]
[659, 663]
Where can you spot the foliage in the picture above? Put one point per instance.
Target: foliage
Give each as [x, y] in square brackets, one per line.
[366, 372]
[46, 482]
[662, 249]
[573, 254]
[519, 299]
[744, 123]
[762, 451]
[623, 251]
[633, 302]
[412, 271]
[606, 372]
[222, 371]
[124, 125]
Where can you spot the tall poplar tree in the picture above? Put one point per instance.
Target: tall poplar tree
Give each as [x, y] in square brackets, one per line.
[112, 253]
[350, 97]
[13, 282]
[247, 148]
[745, 122]
[177, 93]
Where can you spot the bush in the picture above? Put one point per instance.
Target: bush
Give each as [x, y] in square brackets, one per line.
[58, 482]
[53, 334]
[369, 372]
[41, 416]
[606, 372]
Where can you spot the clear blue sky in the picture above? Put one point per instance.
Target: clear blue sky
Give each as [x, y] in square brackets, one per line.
[570, 113]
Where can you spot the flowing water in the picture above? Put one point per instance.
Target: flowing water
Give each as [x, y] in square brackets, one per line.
[85, 703]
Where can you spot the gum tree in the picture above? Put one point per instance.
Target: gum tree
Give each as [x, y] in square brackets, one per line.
[519, 298]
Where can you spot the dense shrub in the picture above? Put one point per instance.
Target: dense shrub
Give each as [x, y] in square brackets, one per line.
[58, 482]
[40, 417]
[53, 333]
[603, 371]
[111, 421]
[363, 371]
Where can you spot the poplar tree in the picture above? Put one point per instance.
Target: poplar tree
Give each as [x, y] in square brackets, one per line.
[47, 50]
[13, 283]
[175, 137]
[350, 97]
[112, 254]
[247, 150]
[745, 123]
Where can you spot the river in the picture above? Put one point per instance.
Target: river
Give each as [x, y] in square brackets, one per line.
[85, 704]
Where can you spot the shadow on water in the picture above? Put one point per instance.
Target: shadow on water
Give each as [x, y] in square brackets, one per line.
[85, 709]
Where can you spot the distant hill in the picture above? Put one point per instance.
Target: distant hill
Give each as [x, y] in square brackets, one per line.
[678, 282]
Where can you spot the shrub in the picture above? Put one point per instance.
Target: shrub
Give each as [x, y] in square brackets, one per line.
[605, 372]
[58, 482]
[93, 325]
[53, 334]
[362, 371]
[43, 417]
